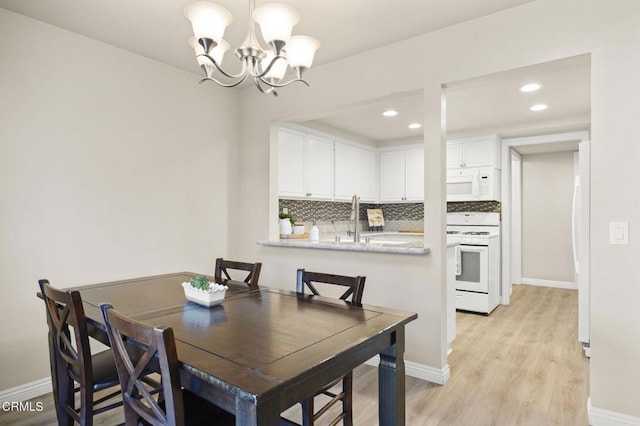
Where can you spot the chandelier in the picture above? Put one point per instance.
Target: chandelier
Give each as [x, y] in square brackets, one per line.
[267, 67]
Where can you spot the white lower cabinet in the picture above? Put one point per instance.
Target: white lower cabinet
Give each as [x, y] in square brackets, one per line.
[451, 296]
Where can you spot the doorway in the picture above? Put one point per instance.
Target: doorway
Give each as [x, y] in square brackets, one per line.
[499, 105]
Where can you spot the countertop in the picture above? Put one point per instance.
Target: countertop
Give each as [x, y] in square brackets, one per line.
[378, 242]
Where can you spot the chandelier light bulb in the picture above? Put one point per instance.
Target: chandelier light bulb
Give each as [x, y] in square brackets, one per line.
[301, 50]
[276, 21]
[209, 20]
[217, 53]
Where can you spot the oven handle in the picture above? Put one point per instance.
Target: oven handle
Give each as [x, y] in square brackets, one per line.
[475, 249]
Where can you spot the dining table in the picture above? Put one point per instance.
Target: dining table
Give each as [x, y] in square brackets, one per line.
[261, 351]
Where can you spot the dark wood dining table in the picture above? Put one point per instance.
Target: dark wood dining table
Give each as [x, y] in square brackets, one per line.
[261, 351]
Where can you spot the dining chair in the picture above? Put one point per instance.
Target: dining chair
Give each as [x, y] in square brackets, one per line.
[355, 289]
[159, 403]
[223, 267]
[73, 368]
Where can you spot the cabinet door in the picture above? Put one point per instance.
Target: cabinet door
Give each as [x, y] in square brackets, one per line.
[367, 176]
[319, 168]
[346, 171]
[454, 155]
[355, 173]
[291, 147]
[414, 174]
[392, 176]
[479, 154]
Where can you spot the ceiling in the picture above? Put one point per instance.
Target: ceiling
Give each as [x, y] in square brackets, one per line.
[487, 105]
[158, 30]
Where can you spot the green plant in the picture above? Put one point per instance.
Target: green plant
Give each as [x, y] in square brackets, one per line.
[201, 282]
[289, 216]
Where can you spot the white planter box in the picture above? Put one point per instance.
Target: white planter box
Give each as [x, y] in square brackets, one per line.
[212, 297]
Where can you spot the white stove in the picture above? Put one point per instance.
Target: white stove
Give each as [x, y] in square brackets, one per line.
[477, 277]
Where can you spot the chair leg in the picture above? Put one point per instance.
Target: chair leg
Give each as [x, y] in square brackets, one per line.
[65, 394]
[347, 402]
[86, 407]
[307, 412]
[130, 416]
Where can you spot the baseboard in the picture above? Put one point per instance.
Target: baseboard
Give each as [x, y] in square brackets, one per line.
[600, 417]
[26, 391]
[550, 283]
[438, 376]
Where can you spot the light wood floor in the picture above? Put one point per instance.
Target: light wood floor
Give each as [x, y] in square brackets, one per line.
[522, 365]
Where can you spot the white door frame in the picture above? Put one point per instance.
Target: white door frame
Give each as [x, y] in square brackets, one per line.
[516, 221]
[508, 236]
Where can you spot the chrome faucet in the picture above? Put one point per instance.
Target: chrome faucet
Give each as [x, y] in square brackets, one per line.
[355, 215]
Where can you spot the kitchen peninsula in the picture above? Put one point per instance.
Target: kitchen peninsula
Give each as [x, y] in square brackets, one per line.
[376, 242]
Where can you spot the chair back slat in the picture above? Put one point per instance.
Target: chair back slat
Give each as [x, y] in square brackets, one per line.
[69, 349]
[355, 285]
[158, 404]
[222, 275]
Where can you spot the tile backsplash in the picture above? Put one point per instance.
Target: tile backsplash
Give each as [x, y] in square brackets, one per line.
[326, 211]
[332, 217]
[305, 210]
[474, 206]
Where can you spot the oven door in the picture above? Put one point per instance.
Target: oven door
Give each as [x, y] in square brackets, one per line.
[472, 268]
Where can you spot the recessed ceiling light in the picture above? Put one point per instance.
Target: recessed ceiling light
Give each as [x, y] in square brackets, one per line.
[390, 113]
[538, 107]
[415, 125]
[530, 87]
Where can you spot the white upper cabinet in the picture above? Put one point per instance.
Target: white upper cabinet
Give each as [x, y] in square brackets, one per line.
[291, 154]
[402, 175]
[355, 173]
[392, 176]
[305, 166]
[319, 168]
[481, 151]
[314, 167]
[414, 174]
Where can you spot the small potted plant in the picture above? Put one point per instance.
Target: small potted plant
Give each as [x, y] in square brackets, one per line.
[287, 221]
[204, 292]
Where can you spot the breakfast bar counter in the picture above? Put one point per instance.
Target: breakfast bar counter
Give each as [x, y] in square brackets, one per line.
[380, 242]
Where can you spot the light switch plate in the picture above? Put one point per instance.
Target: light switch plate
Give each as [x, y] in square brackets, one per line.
[619, 233]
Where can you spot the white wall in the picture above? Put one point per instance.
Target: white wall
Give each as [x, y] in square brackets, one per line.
[59, 90]
[547, 191]
[111, 166]
[536, 32]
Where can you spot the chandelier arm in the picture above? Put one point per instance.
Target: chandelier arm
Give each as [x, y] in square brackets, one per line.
[266, 70]
[215, 80]
[271, 89]
[276, 85]
[242, 73]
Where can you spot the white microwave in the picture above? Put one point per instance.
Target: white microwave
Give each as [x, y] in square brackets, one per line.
[473, 184]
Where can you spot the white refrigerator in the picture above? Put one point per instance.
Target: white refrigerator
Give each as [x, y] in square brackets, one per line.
[580, 231]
